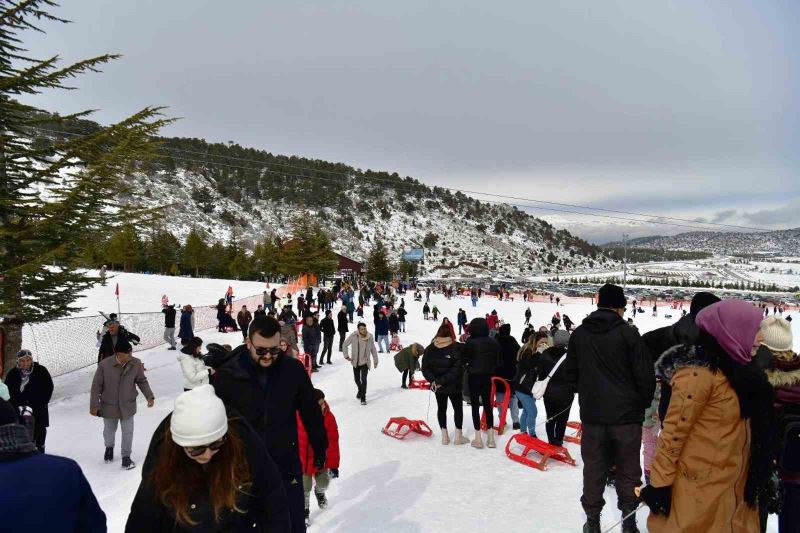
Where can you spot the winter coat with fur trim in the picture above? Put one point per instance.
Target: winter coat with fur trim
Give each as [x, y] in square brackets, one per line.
[703, 451]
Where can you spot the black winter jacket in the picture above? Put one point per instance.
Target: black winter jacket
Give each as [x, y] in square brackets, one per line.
[394, 324]
[265, 501]
[169, 317]
[509, 348]
[270, 407]
[37, 392]
[445, 366]
[481, 353]
[328, 329]
[658, 341]
[560, 389]
[107, 345]
[342, 327]
[612, 370]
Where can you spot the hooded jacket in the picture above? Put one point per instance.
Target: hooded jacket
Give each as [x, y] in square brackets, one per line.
[194, 369]
[509, 348]
[442, 363]
[307, 452]
[608, 364]
[481, 353]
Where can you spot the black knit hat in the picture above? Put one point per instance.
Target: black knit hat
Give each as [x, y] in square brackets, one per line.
[611, 297]
[123, 346]
[8, 414]
[700, 301]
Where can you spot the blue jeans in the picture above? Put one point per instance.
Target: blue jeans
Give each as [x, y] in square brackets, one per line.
[528, 420]
[402, 326]
[513, 408]
[383, 339]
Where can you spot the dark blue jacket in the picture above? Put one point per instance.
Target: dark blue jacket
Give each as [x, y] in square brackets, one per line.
[42, 493]
[185, 332]
[382, 326]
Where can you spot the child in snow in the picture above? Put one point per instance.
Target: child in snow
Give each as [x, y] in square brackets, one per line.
[435, 312]
[650, 430]
[395, 344]
[331, 471]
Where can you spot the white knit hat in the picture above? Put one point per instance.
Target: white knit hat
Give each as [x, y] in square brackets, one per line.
[199, 417]
[777, 334]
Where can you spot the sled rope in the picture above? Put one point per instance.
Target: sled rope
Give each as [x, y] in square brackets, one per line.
[624, 518]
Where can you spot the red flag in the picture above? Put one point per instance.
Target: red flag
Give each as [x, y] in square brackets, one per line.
[116, 291]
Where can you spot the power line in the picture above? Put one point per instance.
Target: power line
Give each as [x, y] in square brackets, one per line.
[402, 184]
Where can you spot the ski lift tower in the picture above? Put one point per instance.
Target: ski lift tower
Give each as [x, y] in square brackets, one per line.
[625, 261]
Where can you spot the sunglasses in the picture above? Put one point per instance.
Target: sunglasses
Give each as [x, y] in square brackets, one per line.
[197, 451]
[275, 350]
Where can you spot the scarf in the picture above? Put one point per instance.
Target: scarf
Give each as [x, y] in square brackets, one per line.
[15, 442]
[25, 377]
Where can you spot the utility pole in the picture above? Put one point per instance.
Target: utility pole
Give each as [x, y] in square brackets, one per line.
[625, 261]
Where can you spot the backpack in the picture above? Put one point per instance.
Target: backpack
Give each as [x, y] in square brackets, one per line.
[789, 439]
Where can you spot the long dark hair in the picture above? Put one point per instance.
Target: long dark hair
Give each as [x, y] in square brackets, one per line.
[176, 476]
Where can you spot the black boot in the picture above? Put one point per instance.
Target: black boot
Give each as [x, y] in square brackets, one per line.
[109, 455]
[322, 501]
[629, 524]
[592, 524]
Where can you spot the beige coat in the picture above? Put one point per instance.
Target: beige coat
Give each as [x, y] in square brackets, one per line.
[359, 349]
[114, 387]
[703, 453]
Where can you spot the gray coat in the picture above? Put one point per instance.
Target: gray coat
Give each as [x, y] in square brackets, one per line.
[114, 387]
[359, 349]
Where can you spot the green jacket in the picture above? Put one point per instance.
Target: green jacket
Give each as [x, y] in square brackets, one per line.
[651, 413]
[406, 360]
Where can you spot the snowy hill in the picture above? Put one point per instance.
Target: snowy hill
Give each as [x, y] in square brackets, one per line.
[225, 189]
[779, 243]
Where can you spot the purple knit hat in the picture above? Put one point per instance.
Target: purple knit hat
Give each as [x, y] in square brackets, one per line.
[734, 324]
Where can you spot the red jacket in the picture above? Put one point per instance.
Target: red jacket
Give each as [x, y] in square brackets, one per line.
[492, 321]
[307, 453]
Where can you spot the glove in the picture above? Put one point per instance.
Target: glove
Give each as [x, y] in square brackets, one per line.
[658, 499]
[319, 461]
[334, 473]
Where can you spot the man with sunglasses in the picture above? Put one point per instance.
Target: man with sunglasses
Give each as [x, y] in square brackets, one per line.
[268, 388]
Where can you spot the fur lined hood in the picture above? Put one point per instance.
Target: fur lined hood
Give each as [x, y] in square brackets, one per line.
[677, 357]
[779, 378]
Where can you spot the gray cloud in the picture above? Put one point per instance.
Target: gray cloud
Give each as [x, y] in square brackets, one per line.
[723, 216]
[671, 108]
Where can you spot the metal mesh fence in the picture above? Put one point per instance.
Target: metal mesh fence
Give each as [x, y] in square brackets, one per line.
[70, 343]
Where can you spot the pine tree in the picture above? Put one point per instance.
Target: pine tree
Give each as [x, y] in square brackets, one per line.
[124, 248]
[195, 252]
[378, 263]
[164, 251]
[81, 174]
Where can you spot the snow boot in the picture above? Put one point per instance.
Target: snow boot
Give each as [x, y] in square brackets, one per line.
[629, 524]
[516, 425]
[363, 401]
[308, 520]
[322, 501]
[459, 438]
[127, 464]
[445, 437]
[109, 455]
[477, 442]
[490, 439]
[592, 524]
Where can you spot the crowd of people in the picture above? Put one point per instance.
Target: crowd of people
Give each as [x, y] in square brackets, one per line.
[711, 404]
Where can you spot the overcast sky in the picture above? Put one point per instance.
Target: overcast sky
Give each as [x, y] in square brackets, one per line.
[683, 108]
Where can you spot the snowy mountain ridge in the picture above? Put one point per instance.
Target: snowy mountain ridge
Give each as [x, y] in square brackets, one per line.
[776, 243]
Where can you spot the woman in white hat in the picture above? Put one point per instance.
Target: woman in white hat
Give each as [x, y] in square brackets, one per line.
[205, 471]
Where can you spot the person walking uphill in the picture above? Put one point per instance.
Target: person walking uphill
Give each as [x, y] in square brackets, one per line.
[357, 349]
[199, 461]
[442, 365]
[311, 473]
[311, 338]
[41, 493]
[382, 332]
[342, 326]
[30, 385]
[714, 457]
[612, 371]
[267, 388]
[113, 398]
[243, 318]
[481, 357]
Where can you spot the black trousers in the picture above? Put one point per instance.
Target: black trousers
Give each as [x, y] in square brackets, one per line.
[244, 330]
[407, 374]
[602, 447]
[327, 346]
[342, 335]
[458, 408]
[558, 425]
[480, 393]
[360, 376]
[39, 435]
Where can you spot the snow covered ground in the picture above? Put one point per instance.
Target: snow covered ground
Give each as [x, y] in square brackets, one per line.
[415, 485]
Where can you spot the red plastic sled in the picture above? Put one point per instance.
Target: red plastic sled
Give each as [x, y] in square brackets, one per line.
[501, 423]
[532, 444]
[421, 384]
[576, 437]
[404, 427]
